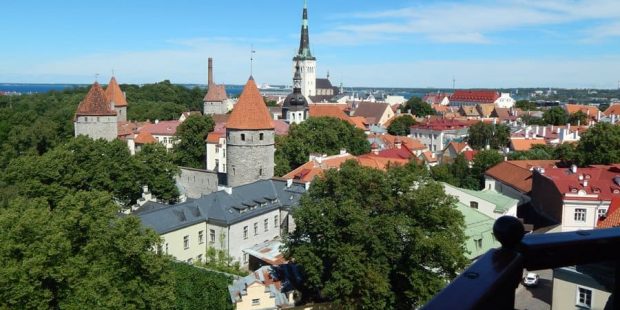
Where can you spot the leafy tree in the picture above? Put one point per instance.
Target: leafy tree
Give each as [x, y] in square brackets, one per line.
[326, 135]
[531, 120]
[400, 126]
[599, 145]
[418, 107]
[79, 254]
[197, 288]
[416, 246]
[443, 173]
[578, 118]
[555, 116]
[526, 105]
[482, 134]
[283, 165]
[157, 171]
[566, 153]
[484, 160]
[270, 103]
[190, 151]
[463, 173]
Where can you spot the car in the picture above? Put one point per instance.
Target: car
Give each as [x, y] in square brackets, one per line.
[531, 279]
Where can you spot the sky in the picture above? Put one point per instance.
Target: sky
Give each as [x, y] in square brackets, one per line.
[372, 43]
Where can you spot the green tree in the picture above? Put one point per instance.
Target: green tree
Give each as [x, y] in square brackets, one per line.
[578, 118]
[484, 160]
[566, 153]
[531, 120]
[196, 288]
[482, 134]
[555, 116]
[400, 126]
[190, 151]
[416, 246]
[418, 107]
[526, 105]
[463, 173]
[326, 135]
[80, 254]
[599, 145]
[157, 171]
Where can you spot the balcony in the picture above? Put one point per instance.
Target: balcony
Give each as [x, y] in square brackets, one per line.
[491, 281]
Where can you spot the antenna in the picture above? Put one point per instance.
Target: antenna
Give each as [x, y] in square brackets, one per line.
[453, 83]
[252, 51]
[96, 77]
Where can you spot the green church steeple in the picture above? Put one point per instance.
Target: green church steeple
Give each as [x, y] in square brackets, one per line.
[304, 42]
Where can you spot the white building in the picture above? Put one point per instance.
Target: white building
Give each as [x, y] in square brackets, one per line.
[505, 101]
[436, 134]
[488, 202]
[216, 152]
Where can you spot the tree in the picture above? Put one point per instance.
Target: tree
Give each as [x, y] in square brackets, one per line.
[416, 246]
[482, 134]
[79, 254]
[555, 116]
[566, 153]
[418, 107]
[531, 120]
[599, 145]
[578, 118]
[325, 135]
[190, 151]
[157, 171]
[484, 160]
[400, 126]
[196, 288]
[526, 105]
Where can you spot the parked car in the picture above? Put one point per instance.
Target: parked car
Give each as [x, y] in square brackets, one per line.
[531, 279]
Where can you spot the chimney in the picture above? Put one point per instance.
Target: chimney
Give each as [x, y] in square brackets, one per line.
[573, 168]
[544, 131]
[598, 116]
[537, 131]
[398, 143]
[527, 133]
[374, 148]
[575, 134]
[289, 182]
[210, 71]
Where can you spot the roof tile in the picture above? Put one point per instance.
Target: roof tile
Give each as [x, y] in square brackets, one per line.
[115, 94]
[95, 103]
[250, 112]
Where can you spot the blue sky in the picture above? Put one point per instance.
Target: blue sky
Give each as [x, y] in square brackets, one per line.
[397, 43]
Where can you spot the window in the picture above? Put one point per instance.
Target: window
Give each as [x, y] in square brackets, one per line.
[245, 258]
[580, 215]
[473, 204]
[199, 257]
[255, 229]
[201, 237]
[601, 212]
[584, 297]
[186, 242]
[212, 235]
[266, 224]
[275, 221]
[478, 244]
[260, 171]
[166, 248]
[261, 136]
[256, 302]
[245, 232]
[217, 149]
[242, 137]
[189, 260]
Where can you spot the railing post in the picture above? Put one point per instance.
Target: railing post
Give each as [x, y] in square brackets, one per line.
[616, 288]
[509, 231]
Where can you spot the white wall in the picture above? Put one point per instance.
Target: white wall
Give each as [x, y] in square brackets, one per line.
[216, 154]
[237, 243]
[568, 214]
[500, 187]
[174, 242]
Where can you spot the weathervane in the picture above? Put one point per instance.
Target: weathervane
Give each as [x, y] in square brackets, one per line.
[252, 51]
[96, 77]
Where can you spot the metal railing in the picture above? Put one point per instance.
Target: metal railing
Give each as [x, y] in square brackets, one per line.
[491, 282]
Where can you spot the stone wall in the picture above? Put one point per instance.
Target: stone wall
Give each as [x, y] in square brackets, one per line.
[249, 158]
[96, 127]
[121, 113]
[215, 107]
[196, 182]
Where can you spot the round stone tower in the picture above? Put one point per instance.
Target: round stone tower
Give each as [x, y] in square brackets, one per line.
[250, 139]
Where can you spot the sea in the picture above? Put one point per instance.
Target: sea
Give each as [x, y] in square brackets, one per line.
[232, 90]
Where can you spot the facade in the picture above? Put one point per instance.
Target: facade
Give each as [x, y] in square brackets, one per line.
[583, 287]
[575, 197]
[488, 202]
[117, 99]
[305, 60]
[270, 287]
[478, 230]
[230, 220]
[163, 131]
[193, 183]
[295, 107]
[216, 101]
[453, 150]
[513, 178]
[374, 113]
[216, 152]
[95, 117]
[474, 97]
[250, 139]
[438, 133]
[437, 98]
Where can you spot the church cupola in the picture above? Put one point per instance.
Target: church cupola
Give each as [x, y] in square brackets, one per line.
[295, 107]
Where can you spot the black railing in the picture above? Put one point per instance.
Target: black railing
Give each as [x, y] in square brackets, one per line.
[491, 281]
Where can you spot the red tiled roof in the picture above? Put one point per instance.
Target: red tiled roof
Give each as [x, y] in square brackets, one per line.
[470, 154]
[599, 177]
[428, 157]
[434, 98]
[95, 103]
[216, 93]
[214, 137]
[458, 146]
[128, 128]
[144, 138]
[115, 94]
[163, 128]
[281, 127]
[409, 143]
[517, 173]
[479, 96]
[522, 144]
[250, 112]
[441, 124]
[332, 110]
[612, 219]
[613, 110]
[589, 110]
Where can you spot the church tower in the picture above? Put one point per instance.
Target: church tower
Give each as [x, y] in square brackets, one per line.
[305, 60]
[117, 99]
[95, 117]
[295, 107]
[250, 139]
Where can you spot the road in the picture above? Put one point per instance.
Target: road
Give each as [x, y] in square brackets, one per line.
[536, 298]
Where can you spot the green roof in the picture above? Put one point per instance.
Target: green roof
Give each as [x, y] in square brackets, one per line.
[478, 226]
[502, 202]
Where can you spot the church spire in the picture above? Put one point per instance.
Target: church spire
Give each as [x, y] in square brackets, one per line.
[297, 80]
[304, 42]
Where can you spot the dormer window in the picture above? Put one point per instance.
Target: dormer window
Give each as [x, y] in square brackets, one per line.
[596, 190]
[615, 191]
[573, 190]
[587, 176]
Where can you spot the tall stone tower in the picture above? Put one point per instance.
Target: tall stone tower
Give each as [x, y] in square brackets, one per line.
[95, 117]
[117, 100]
[305, 60]
[250, 139]
[215, 101]
[295, 107]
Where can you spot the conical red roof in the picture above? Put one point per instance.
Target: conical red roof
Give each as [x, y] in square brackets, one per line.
[115, 94]
[250, 112]
[95, 103]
